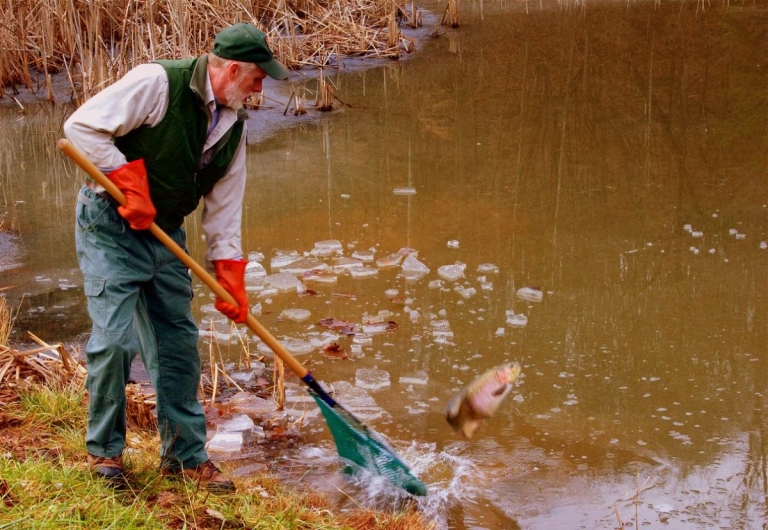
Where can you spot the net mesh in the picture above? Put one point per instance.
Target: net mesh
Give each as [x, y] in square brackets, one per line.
[360, 446]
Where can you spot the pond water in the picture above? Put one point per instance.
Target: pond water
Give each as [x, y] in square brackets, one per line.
[613, 156]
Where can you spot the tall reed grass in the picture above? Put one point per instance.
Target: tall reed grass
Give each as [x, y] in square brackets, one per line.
[95, 42]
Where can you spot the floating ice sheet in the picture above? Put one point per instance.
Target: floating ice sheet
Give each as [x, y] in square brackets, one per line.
[413, 269]
[391, 260]
[372, 378]
[225, 442]
[363, 272]
[283, 258]
[530, 294]
[305, 265]
[451, 273]
[296, 314]
[516, 320]
[284, 282]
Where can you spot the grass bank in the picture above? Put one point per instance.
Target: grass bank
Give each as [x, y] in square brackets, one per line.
[45, 482]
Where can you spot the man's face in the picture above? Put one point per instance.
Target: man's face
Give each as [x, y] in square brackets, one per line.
[241, 84]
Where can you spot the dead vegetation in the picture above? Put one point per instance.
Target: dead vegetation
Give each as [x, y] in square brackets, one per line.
[95, 43]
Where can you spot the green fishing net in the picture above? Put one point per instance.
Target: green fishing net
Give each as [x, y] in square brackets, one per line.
[361, 446]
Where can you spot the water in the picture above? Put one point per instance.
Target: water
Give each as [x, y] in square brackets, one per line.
[612, 159]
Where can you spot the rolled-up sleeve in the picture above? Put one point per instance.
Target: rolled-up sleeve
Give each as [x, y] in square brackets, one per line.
[138, 98]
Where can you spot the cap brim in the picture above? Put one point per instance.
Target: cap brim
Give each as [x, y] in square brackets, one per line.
[275, 70]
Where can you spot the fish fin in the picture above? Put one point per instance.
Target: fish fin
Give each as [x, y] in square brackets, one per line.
[470, 428]
[453, 407]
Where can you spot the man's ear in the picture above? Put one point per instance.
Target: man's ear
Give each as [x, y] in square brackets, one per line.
[233, 70]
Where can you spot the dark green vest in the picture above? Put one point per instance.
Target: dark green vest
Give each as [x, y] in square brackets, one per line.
[172, 149]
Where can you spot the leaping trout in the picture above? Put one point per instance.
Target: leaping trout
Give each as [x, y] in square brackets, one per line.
[480, 399]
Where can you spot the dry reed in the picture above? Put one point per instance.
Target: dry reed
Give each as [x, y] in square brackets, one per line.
[95, 43]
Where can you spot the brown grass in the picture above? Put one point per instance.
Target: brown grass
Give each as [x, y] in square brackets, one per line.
[96, 42]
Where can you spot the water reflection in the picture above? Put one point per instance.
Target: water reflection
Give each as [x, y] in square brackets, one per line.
[612, 158]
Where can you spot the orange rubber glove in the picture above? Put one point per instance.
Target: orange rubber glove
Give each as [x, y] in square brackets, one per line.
[138, 210]
[231, 275]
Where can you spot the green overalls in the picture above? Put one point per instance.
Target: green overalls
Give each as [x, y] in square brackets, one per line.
[139, 294]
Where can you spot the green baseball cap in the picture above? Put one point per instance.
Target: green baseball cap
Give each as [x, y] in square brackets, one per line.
[244, 42]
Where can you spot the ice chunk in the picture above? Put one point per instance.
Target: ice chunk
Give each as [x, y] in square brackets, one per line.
[324, 339]
[451, 273]
[375, 327]
[364, 255]
[343, 264]
[530, 294]
[319, 276]
[236, 424]
[391, 293]
[371, 378]
[248, 376]
[697, 233]
[327, 248]
[436, 284]
[363, 272]
[297, 346]
[251, 404]
[255, 256]
[254, 271]
[516, 320]
[404, 191]
[763, 245]
[284, 282]
[453, 243]
[359, 402]
[416, 378]
[305, 265]
[413, 269]
[465, 292]
[283, 258]
[225, 442]
[392, 260]
[296, 314]
[443, 325]
[487, 267]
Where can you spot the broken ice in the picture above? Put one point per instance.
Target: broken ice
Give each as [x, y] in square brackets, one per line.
[451, 273]
[516, 320]
[305, 265]
[364, 255]
[404, 191]
[363, 272]
[327, 248]
[284, 282]
[530, 294]
[371, 378]
[413, 269]
[295, 314]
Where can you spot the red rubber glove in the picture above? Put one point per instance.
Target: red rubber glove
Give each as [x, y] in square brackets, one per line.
[138, 210]
[231, 275]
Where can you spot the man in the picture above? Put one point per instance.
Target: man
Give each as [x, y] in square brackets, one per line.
[167, 134]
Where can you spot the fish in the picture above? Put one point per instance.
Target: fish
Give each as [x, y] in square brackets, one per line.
[480, 399]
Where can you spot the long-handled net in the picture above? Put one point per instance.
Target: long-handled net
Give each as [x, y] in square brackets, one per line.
[356, 443]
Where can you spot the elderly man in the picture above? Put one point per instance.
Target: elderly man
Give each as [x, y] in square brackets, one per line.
[167, 134]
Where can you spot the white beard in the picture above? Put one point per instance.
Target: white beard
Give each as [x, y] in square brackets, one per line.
[235, 97]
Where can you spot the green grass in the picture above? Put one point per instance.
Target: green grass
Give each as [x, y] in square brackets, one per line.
[45, 483]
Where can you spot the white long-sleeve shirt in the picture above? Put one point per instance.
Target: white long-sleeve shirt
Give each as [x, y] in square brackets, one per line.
[141, 98]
